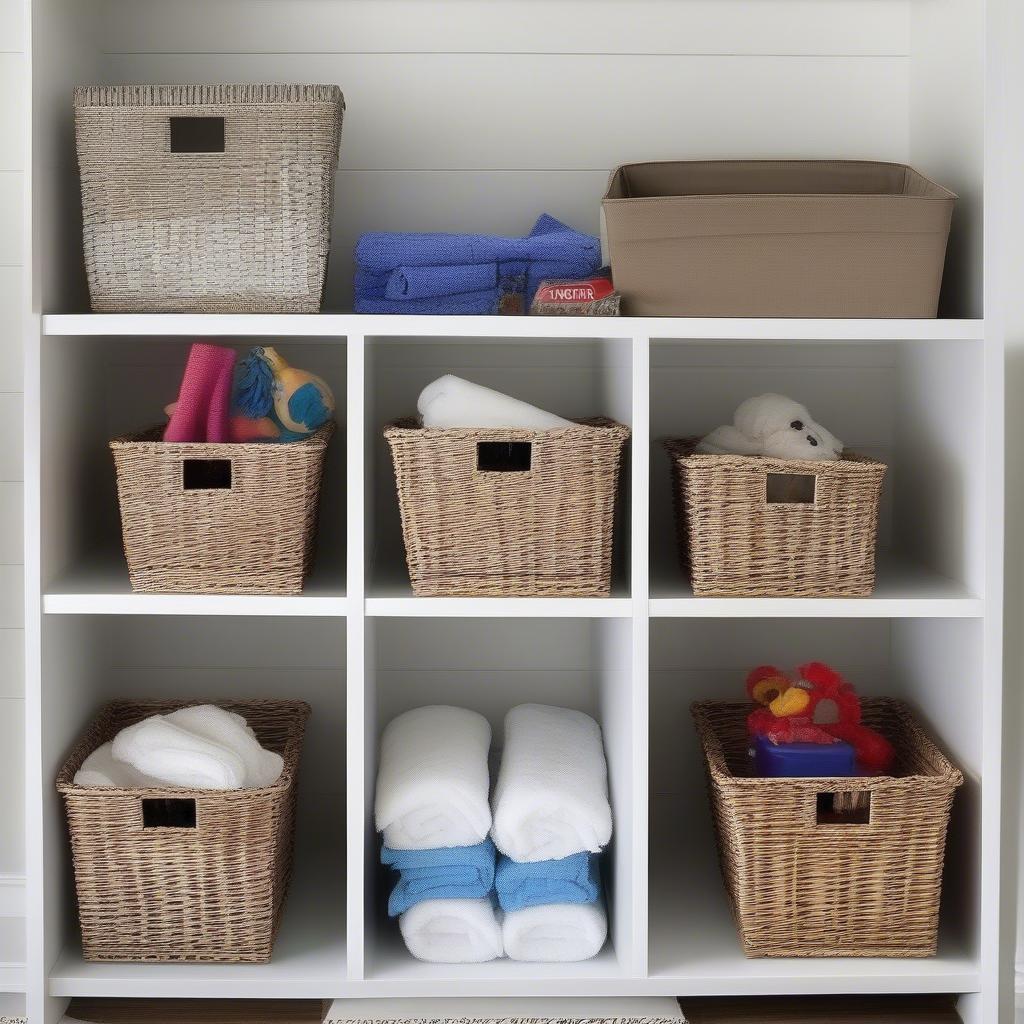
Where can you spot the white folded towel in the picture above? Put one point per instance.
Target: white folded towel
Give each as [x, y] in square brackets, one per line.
[453, 402]
[262, 767]
[556, 933]
[159, 748]
[433, 782]
[551, 798]
[452, 931]
[100, 769]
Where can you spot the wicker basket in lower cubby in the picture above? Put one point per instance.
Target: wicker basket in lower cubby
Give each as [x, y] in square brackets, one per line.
[219, 518]
[175, 874]
[751, 526]
[831, 866]
[508, 513]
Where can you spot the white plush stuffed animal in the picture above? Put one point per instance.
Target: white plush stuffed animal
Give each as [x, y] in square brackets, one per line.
[776, 426]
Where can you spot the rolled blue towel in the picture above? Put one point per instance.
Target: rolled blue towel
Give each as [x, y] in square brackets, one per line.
[471, 304]
[572, 879]
[429, 282]
[453, 873]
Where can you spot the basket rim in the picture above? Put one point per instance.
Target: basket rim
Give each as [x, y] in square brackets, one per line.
[207, 94]
[298, 713]
[680, 451]
[413, 426]
[947, 776]
[150, 438]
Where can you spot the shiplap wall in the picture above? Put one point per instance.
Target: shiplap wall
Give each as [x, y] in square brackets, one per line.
[12, 717]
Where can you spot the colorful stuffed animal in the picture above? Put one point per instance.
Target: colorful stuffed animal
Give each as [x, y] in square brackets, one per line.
[275, 402]
[818, 706]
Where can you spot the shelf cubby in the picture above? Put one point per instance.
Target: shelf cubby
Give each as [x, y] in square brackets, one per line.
[491, 666]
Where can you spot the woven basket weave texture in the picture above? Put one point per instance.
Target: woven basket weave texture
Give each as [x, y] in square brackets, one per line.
[255, 537]
[214, 892]
[246, 230]
[546, 531]
[802, 883]
[734, 543]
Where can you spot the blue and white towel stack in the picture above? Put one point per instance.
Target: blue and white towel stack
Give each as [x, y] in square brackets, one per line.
[456, 899]
[551, 820]
[467, 274]
[432, 808]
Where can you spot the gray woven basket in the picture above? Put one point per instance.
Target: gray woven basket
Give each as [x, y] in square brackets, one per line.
[207, 198]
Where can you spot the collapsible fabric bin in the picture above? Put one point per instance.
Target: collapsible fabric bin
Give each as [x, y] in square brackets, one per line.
[800, 238]
[508, 513]
[207, 198]
[172, 874]
[752, 526]
[831, 866]
[219, 518]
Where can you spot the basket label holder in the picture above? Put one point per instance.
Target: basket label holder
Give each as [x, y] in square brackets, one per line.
[168, 812]
[206, 474]
[504, 456]
[197, 134]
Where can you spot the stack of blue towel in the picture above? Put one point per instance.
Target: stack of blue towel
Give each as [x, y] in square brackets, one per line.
[473, 872]
[467, 274]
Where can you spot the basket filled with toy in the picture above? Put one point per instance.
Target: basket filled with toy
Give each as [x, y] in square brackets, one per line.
[831, 815]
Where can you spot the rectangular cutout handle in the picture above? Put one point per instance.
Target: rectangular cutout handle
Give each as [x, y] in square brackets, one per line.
[206, 474]
[504, 456]
[197, 134]
[790, 488]
[852, 807]
[168, 813]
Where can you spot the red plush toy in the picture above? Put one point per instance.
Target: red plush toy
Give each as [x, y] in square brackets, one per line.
[819, 706]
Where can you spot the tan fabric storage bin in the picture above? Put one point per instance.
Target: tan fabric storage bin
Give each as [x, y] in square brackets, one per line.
[508, 513]
[207, 198]
[751, 526]
[831, 866]
[219, 518]
[172, 874]
[800, 238]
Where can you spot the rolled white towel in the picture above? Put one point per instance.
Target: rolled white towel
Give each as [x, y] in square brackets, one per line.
[177, 756]
[100, 769]
[433, 782]
[453, 402]
[555, 933]
[262, 767]
[551, 798]
[452, 931]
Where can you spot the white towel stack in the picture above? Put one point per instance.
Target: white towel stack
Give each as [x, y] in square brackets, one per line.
[199, 747]
[432, 793]
[550, 802]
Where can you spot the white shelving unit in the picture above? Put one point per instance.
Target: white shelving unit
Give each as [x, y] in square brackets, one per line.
[558, 97]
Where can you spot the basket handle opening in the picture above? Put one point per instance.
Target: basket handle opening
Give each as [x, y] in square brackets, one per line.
[168, 812]
[206, 474]
[790, 488]
[504, 456]
[849, 807]
[197, 134]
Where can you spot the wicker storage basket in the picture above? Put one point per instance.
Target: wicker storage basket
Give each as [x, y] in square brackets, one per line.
[207, 198]
[219, 518]
[751, 526]
[152, 888]
[831, 867]
[826, 238]
[508, 513]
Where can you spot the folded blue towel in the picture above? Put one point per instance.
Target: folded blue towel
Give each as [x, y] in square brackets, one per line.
[458, 872]
[466, 274]
[382, 251]
[430, 282]
[572, 879]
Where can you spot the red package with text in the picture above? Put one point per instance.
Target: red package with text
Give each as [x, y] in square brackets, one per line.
[595, 296]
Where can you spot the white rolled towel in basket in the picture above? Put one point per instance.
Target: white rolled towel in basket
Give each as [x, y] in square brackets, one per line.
[433, 781]
[453, 402]
[551, 797]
